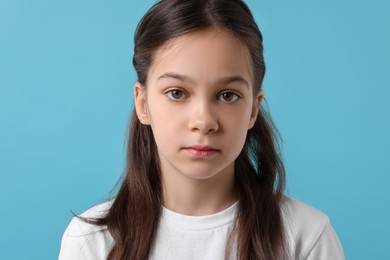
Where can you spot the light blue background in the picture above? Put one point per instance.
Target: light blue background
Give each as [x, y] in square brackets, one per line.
[66, 92]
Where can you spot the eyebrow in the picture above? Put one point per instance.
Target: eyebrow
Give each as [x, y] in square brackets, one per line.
[187, 79]
[177, 76]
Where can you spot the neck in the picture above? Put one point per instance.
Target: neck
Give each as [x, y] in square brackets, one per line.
[199, 197]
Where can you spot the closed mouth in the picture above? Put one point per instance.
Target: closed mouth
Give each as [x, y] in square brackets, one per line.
[201, 150]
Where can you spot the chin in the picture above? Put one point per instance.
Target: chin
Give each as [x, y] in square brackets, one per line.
[203, 174]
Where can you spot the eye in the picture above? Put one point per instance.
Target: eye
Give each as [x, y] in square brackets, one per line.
[229, 97]
[175, 94]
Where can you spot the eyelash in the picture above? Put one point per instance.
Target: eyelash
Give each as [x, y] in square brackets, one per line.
[183, 95]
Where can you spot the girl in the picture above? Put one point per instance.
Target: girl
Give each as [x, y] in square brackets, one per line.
[203, 178]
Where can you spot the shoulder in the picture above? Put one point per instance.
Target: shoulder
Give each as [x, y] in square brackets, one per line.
[78, 227]
[82, 240]
[298, 215]
[309, 232]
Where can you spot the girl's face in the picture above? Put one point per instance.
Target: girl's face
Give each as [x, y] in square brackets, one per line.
[199, 103]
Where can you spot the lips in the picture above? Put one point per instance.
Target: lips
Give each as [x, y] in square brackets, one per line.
[201, 151]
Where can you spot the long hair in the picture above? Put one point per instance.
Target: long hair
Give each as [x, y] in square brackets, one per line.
[133, 218]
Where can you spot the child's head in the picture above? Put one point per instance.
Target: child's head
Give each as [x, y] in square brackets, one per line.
[166, 33]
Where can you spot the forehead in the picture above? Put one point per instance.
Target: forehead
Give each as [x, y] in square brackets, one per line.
[204, 55]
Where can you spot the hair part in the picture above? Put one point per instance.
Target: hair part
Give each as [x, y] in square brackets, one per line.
[259, 173]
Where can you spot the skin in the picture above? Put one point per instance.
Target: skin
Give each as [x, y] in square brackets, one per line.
[199, 103]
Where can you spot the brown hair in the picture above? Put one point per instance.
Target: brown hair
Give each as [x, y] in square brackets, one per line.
[259, 173]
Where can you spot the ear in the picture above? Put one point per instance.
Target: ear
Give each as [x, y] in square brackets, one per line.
[256, 108]
[141, 106]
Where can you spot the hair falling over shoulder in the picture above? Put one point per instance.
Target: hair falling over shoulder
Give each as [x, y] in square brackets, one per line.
[259, 172]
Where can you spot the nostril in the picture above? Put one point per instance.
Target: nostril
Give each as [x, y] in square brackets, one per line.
[204, 118]
[204, 127]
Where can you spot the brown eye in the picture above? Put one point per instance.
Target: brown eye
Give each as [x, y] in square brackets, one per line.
[228, 97]
[175, 94]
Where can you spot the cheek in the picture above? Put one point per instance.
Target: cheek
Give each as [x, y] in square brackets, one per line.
[238, 123]
[238, 129]
[165, 125]
[238, 119]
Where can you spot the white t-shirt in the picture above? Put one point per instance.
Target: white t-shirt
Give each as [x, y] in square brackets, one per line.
[309, 235]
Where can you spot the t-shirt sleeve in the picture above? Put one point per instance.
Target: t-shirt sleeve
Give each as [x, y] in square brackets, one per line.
[82, 240]
[73, 243]
[309, 233]
[327, 246]
[76, 243]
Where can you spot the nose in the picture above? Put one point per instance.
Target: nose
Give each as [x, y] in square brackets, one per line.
[203, 119]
